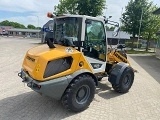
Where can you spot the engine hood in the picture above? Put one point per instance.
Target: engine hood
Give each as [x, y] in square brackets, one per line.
[38, 58]
[46, 52]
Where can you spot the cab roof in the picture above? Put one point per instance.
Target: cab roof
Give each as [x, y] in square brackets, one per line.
[81, 16]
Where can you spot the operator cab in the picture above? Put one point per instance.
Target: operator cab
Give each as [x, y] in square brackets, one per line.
[86, 34]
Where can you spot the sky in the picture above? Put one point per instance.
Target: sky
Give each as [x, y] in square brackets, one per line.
[35, 11]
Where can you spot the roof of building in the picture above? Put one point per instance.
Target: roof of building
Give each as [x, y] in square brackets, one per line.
[121, 35]
[156, 12]
[23, 30]
[5, 28]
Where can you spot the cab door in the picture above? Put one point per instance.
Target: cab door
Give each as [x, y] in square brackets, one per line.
[95, 45]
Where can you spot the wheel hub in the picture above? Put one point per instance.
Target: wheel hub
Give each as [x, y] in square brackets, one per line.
[83, 94]
[127, 80]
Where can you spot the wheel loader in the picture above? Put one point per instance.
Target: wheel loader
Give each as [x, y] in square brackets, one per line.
[69, 67]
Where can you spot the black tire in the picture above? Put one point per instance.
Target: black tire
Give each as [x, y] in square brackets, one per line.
[79, 93]
[126, 81]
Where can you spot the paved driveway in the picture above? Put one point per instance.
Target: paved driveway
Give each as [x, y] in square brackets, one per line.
[150, 64]
[17, 102]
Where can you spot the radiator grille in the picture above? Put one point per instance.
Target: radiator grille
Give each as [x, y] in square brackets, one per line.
[57, 66]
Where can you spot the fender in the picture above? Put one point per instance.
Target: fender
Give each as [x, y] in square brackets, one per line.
[82, 71]
[116, 72]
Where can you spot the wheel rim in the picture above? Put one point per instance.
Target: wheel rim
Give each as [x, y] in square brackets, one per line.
[127, 80]
[82, 94]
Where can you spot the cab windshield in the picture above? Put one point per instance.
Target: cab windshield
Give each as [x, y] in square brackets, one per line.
[65, 28]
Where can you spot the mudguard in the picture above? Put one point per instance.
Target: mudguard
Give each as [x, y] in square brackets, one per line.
[116, 73]
[79, 72]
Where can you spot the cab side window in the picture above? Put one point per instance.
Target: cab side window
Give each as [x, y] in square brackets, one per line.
[95, 31]
[95, 39]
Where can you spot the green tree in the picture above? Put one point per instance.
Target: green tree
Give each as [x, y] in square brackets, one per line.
[5, 23]
[90, 7]
[152, 27]
[38, 28]
[13, 24]
[107, 27]
[31, 26]
[112, 28]
[131, 18]
[122, 28]
[66, 7]
[82, 7]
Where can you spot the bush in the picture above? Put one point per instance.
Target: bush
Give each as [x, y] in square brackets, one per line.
[129, 44]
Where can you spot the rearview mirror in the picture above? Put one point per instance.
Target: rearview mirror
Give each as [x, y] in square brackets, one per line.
[116, 30]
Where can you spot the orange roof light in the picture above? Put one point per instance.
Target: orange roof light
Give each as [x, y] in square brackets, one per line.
[50, 15]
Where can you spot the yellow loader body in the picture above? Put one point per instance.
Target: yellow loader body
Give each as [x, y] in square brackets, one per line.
[38, 58]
